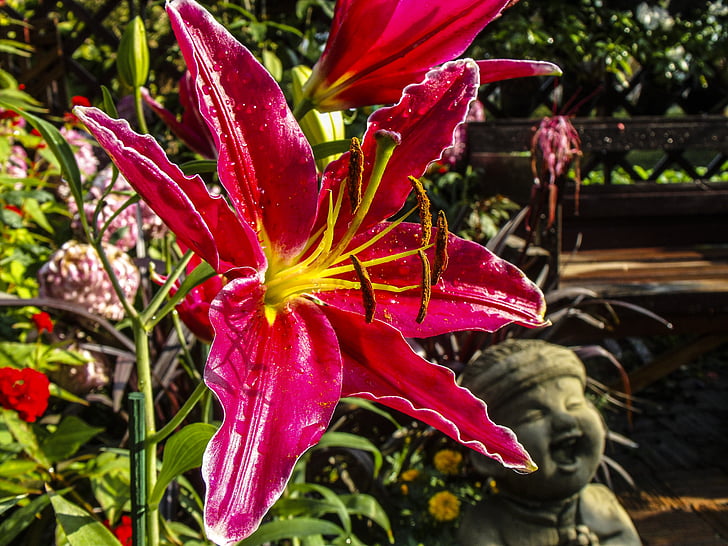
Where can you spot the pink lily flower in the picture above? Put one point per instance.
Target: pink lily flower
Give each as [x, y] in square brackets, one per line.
[377, 47]
[320, 286]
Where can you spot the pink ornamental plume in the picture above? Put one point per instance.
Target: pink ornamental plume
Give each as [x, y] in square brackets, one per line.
[554, 147]
[320, 289]
[75, 274]
[377, 47]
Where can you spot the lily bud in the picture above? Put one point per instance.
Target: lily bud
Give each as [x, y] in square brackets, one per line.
[318, 127]
[132, 60]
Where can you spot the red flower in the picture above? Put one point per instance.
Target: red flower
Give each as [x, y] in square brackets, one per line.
[43, 322]
[78, 100]
[123, 531]
[25, 391]
[13, 208]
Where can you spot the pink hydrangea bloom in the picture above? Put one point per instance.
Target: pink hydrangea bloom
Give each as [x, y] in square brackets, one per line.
[74, 273]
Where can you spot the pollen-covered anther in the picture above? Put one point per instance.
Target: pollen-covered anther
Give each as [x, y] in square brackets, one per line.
[356, 170]
[423, 205]
[441, 257]
[367, 290]
[426, 286]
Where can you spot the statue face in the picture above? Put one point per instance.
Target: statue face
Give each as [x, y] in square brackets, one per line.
[562, 431]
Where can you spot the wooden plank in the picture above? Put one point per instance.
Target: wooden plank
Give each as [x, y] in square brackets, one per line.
[607, 134]
[671, 361]
[647, 199]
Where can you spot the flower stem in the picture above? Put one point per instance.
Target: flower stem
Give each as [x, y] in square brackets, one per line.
[175, 421]
[139, 107]
[302, 108]
[144, 375]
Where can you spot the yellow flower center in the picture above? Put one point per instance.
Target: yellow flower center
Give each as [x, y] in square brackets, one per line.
[322, 262]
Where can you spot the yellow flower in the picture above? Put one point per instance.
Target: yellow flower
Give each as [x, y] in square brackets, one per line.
[409, 475]
[448, 461]
[444, 506]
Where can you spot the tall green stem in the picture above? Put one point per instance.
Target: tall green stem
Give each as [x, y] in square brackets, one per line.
[144, 375]
[139, 107]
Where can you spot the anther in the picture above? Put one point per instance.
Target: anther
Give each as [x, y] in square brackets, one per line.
[367, 290]
[423, 204]
[441, 258]
[426, 286]
[356, 169]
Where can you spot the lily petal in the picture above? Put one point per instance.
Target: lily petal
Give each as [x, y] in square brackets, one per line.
[265, 162]
[377, 47]
[202, 222]
[478, 290]
[278, 385]
[494, 70]
[426, 118]
[379, 365]
[192, 129]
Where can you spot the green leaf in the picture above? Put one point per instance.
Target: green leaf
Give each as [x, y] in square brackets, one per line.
[182, 452]
[331, 503]
[10, 487]
[57, 144]
[80, 527]
[25, 435]
[18, 520]
[109, 106]
[351, 441]
[335, 147]
[71, 434]
[198, 275]
[7, 503]
[15, 467]
[110, 482]
[370, 406]
[199, 166]
[291, 528]
[367, 506]
[273, 64]
[63, 394]
[32, 208]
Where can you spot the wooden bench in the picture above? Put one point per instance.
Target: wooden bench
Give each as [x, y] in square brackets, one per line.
[662, 247]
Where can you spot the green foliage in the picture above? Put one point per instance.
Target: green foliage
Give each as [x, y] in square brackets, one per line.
[595, 40]
[182, 452]
[79, 527]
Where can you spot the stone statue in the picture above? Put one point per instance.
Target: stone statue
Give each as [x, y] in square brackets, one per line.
[537, 389]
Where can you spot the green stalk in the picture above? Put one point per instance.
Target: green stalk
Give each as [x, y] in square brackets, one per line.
[144, 375]
[137, 461]
[139, 108]
[175, 421]
[302, 108]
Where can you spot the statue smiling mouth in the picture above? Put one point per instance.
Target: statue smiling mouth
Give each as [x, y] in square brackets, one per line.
[566, 450]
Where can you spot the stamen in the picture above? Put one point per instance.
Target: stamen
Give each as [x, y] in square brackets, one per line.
[356, 169]
[423, 204]
[426, 286]
[386, 141]
[441, 257]
[367, 291]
